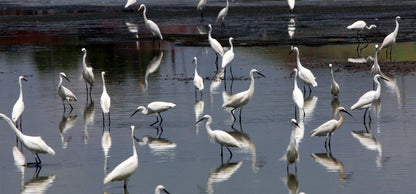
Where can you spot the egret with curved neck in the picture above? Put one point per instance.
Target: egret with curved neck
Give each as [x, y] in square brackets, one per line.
[65, 94]
[152, 26]
[155, 108]
[223, 13]
[228, 58]
[334, 84]
[198, 81]
[297, 95]
[19, 106]
[390, 39]
[215, 45]
[87, 74]
[304, 73]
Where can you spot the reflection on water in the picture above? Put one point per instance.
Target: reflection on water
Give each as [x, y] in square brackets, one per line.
[292, 183]
[152, 67]
[89, 114]
[67, 122]
[309, 106]
[159, 146]
[199, 110]
[292, 151]
[38, 184]
[367, 140]
[248, 146]
[221, 174]
[19, 162]
[106, 145]
[331, 164]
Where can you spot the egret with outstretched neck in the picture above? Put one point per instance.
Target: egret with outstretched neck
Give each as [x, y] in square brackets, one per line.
[215, 45]
[87, 74]
[223, 13]
[218, 136]
[198, 81]
[304, 73]
[19, 106]
[34, 144]
[105, 100]
[359, 26]
[124, 170]
[152, 26]
[228, 58]
[65, 94]
[334, 84]
[155, 108]
[329, 127]
[390, 39]
[297, 95]
[242, 98]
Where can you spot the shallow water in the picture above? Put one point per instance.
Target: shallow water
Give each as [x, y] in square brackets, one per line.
[40, 50]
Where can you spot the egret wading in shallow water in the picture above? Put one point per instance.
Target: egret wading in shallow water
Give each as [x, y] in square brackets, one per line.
[198, 81]
[34, 144]
[201, 7]
[87, 74]
[223, 13]
[390, 39]
[19, 106]
[124, 170]
[152, 26]
[292, 153]
[155, 107]
[105, 100]
[161, 188]
[375, 68]
[228, 58]
[297, 95]
[359, 26]
[215, 45]
[334, 84]
[218, 136]
[65, 93]
[329, 127]
[304, 73]
[367, 99]
[242, 98]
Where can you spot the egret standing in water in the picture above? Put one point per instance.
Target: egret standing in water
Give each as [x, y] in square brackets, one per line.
[375, 68]
[152, 26]
[105, 100]
[19, 106]
[297, 95]
[155, 107]
[359, 26]
[87, 74]
[329, 127]
[367, 99]
[228, 58]
[215, 45]
[223, 13]
[198, 81]
[334, 84]
[34, 144]
[124, 170]
[242, 98]
[160, 188]
[218, 136]
[201, 7]
[390, 39]
[292, 153]
[304, 73]
[65, 93]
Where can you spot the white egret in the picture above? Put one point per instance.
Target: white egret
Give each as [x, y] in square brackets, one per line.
[19, 106]
[359, 26]
[291, 4]
[242, 98]
[198, 81]
[124, 170]
[65, 93]
[297, 95]
[152, 26]
[304, 73]
[155, 107]
[329, 127]
[87, 73]
[367, 99]
[105, 100]
[215, 45]
[34, 144]
[223, 13]
[228, 58]
[334, 84]
[201, 7]
[160, 188]
[390, 39]
[221, 137]
[375, 68]
[292, 153]
[130, 3]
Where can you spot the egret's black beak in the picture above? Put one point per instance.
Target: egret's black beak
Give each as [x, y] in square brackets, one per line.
[296, 124]
[200, 120]
[166, 191]
[384, 78]
[24, 79]
[261, 74]
[134, 113]
[67, 79]
[347, 112]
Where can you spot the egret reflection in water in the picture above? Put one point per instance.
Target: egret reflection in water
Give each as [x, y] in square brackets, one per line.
[67, 122]
[292, 183]
[19, 162]
[152, 67]
[291, 26]
[158, 146]
[89, 114]
[221, 174]
[367, 140]
[106, 145]
[247, 146]
[331, 164]
[38, 184]
[199, 110]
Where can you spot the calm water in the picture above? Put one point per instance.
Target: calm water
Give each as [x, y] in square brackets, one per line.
[380, 162]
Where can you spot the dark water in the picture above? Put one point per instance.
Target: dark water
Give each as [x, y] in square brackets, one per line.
[42, 43]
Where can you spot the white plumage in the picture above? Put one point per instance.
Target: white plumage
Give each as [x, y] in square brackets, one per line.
[155, 107]
[223, 13]
[292, 153]
[87, 73]
[65, 93]
[304, 73]
[160, 188]
[105, 99]
[152, 26]
[390, 39]
[130, 3]
[291, 4]
[215, 45]
[19, 106]
[297, 94]
[198, 81]
[334, 84]
[228, 57]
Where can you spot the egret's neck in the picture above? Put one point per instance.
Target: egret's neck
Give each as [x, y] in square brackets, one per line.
[228, 4]
[251, 88]
[378, 89]
[21, 90]
[134, 145]
[145, 111]
[232, 48]
[196, 71]
[376, 58]
[84, 64]
[298, 61]
[19, 134]
[295, 82]
[144, 15]
[60, 82]
[208, 127]
[104, 87]
[209, 33]
[396, 30]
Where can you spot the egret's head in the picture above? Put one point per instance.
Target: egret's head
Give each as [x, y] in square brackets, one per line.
[372, 26]
[141, 6]
[376, 46]
[294, 48]
[342, 109]
[103, 73]
[398, 17]
[294, 122]
[195, 60]
[84, 50]
[257, 72]
[22, 78]
[330, 65]
[204, 117]
[140, 108]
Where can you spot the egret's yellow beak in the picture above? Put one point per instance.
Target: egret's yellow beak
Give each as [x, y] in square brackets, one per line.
[139, 9]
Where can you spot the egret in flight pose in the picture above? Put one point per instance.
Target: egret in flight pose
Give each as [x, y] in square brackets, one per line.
[292, 153]
[198, 81]
[359, 26]
[334, 84]
[215, 45]
[304, 73]
[152, 26]
[65, 93]
[221, 137]
[367, 99]
[390, 39]
[87, 73]
[160, 188]
[201, 7]
[19, 106]
[228, 58]
[124, 170]
[34, 144]
[328, 128]
[105, 100]
[242, 98]
[223, 13]
[155, 107]
[297, 95]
